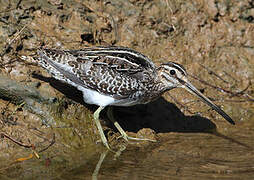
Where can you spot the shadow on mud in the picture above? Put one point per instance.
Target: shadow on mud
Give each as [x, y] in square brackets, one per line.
[161, 116]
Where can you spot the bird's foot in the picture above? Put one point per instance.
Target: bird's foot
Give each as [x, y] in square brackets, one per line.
[127, 138]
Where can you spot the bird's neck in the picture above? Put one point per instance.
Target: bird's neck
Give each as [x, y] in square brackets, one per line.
[157, 88]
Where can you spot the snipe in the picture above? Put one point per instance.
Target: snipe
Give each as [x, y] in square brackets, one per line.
[117, 76]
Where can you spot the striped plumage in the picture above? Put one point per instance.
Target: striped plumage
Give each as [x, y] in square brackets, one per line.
[123, 74]
[116, 76]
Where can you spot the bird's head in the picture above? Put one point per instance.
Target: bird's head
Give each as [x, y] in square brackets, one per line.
[174, 75]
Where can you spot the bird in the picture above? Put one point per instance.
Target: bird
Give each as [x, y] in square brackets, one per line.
[117, 76]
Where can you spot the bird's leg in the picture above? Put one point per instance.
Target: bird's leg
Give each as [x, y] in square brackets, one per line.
[98, 124]
[119, 128]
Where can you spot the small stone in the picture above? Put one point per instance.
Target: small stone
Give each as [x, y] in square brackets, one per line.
[146, 133]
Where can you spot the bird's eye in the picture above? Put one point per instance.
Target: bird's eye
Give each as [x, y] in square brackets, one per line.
[172, 72]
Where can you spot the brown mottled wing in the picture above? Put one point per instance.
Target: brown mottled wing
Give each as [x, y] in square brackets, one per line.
[115, 71]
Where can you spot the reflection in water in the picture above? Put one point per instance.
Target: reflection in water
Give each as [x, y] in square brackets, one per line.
[218, 134]
[98, 166]
[102, 157]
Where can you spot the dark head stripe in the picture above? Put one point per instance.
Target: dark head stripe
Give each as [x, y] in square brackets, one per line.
[179, 67]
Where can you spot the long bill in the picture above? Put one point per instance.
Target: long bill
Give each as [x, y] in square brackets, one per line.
[188, 86]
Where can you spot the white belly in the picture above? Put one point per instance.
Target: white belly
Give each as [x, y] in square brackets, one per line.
[94, 97]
